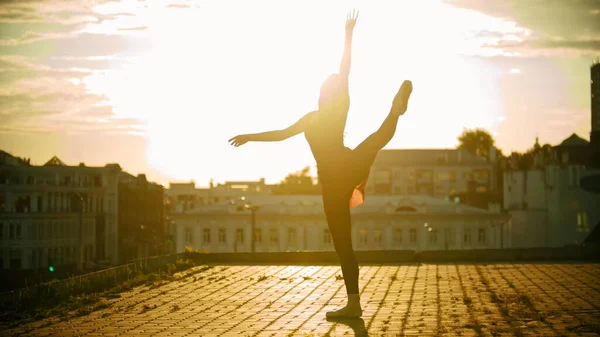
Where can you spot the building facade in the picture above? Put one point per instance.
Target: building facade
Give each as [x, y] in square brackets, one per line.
[181, 197]
[595, 102]
[142, 230]
[297, 223]
[434, 172]
[42, 209]
[548, 206]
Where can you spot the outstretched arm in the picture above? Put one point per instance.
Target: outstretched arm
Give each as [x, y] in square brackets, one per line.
[272, 136]
[346, 58]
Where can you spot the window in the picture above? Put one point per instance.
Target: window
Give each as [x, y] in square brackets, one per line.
[2, 203]
[377, 237]
[481, 235]
[11, 232]
[40, 204]
[326, 237]
[440, 190]
[413, 235]
[273, 237]
[363, 237]
[481, 174]
[398, 236]
[258, 235]
[467, 235]
[189, 240]
[573, 179]
[292, 236]
[15, 259]
[239, 235]
[582, 222]
[19, 231]
[382, 176]
[448, 240]
[433, 236]
[206, 235]
[442, 176]
[222, 235]
[425, 175]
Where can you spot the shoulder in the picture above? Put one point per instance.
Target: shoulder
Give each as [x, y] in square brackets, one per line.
[309, 116]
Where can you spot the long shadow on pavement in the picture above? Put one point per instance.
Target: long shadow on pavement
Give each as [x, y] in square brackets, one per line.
[356, 324]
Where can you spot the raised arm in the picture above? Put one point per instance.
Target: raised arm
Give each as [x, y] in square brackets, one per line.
[273, 136]
[346, 58]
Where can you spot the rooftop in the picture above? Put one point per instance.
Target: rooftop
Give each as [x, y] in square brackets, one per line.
[290, 300]
[309, 204]
[427, 157]
[574, 140]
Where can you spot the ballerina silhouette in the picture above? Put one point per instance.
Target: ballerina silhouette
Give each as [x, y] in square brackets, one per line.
[342, 172]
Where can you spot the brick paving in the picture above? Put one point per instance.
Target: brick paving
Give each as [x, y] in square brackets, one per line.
[530, 299]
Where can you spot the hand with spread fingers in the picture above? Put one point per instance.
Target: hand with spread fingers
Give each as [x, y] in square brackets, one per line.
[239, 140]
[351, 20]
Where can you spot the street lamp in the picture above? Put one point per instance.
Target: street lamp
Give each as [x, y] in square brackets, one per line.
[252, 208]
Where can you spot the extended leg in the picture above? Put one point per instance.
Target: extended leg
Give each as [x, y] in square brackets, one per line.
[338, 219]
[376, 141]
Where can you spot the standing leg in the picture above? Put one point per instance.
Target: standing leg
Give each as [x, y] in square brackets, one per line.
[337, 212]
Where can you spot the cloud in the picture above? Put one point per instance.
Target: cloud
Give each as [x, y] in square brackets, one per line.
[135, 28]
[558, 27]
[52, 104]
[178, 6]
[61, 12]
[80, 45]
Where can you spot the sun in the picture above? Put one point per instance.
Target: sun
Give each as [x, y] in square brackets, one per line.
[215, 71]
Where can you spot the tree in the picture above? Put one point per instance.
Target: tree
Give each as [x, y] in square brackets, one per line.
[477, 142]
[300, 182]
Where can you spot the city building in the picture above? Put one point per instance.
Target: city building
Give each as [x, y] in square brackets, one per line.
[548, 206]
[433, 172]
[296, 223]
[595, 104]
[40, 214]
[142, 230]
[181, 197]
[440, 173]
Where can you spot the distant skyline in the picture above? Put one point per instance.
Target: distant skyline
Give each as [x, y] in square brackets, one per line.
[159, 86]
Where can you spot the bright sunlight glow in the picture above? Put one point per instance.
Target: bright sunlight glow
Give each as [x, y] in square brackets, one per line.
[220, 68]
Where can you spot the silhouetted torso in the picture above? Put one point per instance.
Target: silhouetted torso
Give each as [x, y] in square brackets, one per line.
[325, 136]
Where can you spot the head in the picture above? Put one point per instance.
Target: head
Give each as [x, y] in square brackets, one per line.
[331, 92]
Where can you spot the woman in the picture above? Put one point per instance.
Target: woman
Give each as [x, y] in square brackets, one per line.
[342, 172]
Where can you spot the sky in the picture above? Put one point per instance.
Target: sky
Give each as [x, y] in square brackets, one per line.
[160, 86]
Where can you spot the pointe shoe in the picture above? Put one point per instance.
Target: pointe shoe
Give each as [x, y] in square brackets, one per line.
[345, 312]
[400, 104]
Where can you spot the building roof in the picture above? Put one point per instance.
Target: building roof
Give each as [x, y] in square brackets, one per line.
[574, 140]
[313, 205]
[427, 157]
[55, 161]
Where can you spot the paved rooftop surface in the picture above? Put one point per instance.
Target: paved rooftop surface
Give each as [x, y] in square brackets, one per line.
[536, 299]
